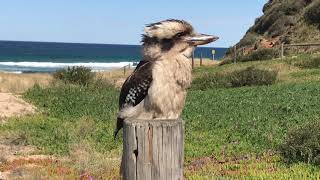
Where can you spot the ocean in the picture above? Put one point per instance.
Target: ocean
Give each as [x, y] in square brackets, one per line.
[29, 57]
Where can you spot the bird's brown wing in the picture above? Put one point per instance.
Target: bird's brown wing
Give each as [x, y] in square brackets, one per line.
[135, 88]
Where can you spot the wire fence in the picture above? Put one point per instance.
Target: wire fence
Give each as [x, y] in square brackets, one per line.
[241, 51]
[287, 46]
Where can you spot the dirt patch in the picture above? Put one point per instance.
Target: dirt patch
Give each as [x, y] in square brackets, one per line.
[18, 161]
[12, 106]
[233, 166]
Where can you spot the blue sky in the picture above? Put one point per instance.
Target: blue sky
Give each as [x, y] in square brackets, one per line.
[120, 21]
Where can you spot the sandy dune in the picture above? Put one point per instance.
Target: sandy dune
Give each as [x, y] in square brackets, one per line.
[11, 105]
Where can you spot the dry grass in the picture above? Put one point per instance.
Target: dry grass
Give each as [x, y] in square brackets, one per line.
[206, 62]
[18, 83]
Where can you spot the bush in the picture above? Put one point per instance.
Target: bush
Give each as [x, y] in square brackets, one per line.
[312, 13]
[75, 75]
[267, 6]
[309, 64]
[248, 40]
[267, 21]
[263, 54]
[302, 144]
[258, 55]
[209, 81]
[292, 8]
[281, 25]
[252, 76]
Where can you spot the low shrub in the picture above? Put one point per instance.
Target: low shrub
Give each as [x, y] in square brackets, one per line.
[252, 76]
[281, 25]
[309, 64]
[257, 55]
[209, 81]
[267, 20]
[227, 60]
[248, 40]
[312, 13]
[292, 8]
[267, 6]
[263, 54]
[75, 75]
[302, 144]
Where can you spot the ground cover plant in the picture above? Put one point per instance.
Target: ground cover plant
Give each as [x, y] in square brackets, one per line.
[302, 144]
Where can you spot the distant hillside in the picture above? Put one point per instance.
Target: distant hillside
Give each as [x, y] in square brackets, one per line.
[288, 21]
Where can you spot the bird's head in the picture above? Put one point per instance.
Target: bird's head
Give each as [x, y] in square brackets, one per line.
[173, 37]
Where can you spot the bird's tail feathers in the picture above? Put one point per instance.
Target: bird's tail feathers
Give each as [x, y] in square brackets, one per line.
[119, 126]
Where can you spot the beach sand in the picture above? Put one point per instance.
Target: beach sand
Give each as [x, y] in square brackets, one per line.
[11, 105]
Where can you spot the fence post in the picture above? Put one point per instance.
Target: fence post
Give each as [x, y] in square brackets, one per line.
[193, 60]
[282, 50]
[153, 149]
[124, 70]
[235, 54]
[201, 58]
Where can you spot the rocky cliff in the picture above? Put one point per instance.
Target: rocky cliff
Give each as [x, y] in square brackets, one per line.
[288, 21]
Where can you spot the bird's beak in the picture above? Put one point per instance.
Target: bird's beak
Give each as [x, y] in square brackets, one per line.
[201, 39]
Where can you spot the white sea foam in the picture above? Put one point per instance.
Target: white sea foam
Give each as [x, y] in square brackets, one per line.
[93, 65]
[12, 72]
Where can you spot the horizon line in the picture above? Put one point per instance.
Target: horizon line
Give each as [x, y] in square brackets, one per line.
[31, 41]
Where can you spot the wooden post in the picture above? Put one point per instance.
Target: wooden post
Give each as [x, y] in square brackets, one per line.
[153, 149]
[192, 59]
[282, 50]
[201, 58]
[124, 70]
[235, 54]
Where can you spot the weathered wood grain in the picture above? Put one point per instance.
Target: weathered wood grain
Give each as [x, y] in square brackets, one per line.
[153, 150]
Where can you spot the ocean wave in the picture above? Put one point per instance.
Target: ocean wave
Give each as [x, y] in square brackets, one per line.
[93, 65]
[12, 72]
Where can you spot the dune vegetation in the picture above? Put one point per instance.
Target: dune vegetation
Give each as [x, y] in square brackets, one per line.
[232, 131]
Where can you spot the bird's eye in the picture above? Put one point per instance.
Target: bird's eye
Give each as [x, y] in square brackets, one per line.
[180, 34]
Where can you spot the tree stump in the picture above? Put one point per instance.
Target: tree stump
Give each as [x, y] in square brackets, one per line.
[153, 150]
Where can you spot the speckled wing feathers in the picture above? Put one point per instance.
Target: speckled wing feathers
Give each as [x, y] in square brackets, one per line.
[135, 88]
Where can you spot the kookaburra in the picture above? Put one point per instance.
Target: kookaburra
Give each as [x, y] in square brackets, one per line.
[157, 88]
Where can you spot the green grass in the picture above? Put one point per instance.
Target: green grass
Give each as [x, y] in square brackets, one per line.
[69, 114]
[236, 121]
[223, 122]
[246, 120]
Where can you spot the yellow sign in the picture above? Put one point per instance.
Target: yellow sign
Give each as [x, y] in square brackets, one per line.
[213, 51]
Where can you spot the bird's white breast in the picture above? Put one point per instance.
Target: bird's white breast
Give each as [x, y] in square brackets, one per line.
[171, 78]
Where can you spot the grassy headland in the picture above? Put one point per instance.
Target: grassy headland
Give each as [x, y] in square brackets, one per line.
[230, 132]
